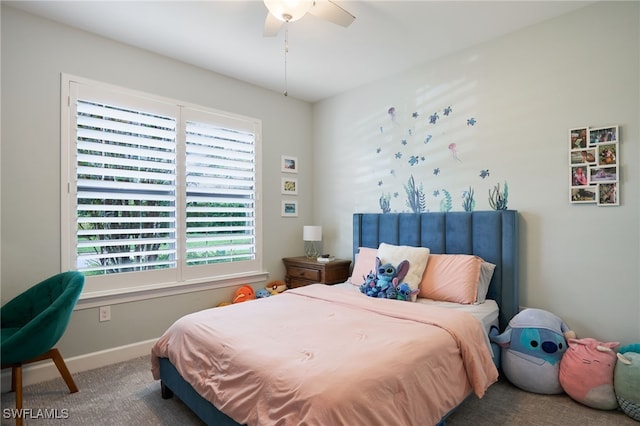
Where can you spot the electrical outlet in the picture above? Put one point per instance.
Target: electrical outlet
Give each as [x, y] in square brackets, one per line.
[105, 313]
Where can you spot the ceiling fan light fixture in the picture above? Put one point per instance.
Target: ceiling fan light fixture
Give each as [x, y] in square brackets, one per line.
[288, 10]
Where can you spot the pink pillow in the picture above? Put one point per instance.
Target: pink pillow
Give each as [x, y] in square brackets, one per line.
[451, 277]
[365, 263]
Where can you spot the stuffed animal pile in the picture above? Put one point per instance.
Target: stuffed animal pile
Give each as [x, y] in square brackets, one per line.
[246, 292]
[273, 288]
[541, 354]
[386, 282]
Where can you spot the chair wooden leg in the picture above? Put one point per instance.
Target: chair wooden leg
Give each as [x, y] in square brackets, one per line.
[16, 383]
[62, 368]
[13, 378]
[16, 378]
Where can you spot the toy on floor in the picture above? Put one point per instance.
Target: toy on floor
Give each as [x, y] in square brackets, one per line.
[276, 287]
[626, 380]
[262, 293]
[586, 373]
[531, 349]
[243, 294]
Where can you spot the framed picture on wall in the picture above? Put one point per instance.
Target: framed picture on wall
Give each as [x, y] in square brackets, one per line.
[583, 156]
[289, 208]
[578, 138]
[603, 174]
[584, 194]
[608, 194]
[603, 134]
[579, 176]
[288, 164]
[289, 186]
[607, 154]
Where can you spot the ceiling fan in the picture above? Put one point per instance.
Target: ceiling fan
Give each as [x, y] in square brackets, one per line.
[281, 11]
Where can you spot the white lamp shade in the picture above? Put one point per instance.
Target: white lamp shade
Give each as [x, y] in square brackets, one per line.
[288, 10]
[312, 233]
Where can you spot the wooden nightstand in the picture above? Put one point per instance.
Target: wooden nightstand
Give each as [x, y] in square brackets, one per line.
[302, 271]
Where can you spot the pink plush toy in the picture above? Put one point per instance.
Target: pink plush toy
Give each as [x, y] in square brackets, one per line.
[586, 373]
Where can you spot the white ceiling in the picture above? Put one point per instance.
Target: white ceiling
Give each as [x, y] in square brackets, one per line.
[324, 59]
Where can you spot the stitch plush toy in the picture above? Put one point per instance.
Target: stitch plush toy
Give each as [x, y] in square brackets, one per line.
[532, 347]
[369, 286]
[626, 380]
[405, 293]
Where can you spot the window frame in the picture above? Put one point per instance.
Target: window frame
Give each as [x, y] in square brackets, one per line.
[131, 286]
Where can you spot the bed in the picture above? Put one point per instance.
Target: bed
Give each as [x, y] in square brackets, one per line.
[427, 363]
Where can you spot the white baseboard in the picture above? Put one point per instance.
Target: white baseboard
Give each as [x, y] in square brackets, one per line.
[46, 370]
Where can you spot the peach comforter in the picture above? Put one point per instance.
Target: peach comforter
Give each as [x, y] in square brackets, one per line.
[320, 355]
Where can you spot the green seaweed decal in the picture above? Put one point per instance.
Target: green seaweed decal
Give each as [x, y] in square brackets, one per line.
[468, 203]
[445, 203]
[415, 196]
[385, 203]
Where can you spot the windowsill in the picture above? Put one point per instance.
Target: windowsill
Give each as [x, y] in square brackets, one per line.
[100, 298]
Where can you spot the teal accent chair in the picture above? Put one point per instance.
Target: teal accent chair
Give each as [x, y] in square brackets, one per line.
[32, 323]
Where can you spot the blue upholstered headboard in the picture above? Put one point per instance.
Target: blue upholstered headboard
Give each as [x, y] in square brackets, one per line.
[492, 235]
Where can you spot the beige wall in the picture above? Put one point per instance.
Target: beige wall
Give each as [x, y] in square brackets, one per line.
[34, 54]
[526, 91]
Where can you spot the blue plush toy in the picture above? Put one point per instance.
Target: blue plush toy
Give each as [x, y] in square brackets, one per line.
[626, 380]
[532, 347]
[385, 282]
[369, 285]
[262, 293]
[405, 293]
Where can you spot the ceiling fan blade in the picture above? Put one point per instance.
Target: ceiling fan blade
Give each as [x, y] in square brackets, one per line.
[329, 11]
[271, 26]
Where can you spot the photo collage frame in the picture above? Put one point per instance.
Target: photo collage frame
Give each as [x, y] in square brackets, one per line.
[594, 157]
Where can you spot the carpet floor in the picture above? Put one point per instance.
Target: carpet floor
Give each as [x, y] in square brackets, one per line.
[126, 394]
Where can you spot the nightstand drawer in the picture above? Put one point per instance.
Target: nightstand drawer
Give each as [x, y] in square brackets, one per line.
[305, 273]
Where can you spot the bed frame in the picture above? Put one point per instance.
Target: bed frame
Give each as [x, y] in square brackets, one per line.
[492, 235]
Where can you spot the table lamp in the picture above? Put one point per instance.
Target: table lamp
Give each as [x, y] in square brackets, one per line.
[311, 234]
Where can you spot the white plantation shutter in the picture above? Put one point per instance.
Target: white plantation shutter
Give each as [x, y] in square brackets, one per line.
[126, 189]
[220, 191]
[163, 191]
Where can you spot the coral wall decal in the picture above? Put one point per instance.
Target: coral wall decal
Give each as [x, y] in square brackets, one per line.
[498, 200]
[468, 203]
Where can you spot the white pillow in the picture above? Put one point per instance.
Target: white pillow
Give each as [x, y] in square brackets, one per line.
[417, 257]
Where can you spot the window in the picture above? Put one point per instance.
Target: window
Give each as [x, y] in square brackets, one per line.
[155, 193]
